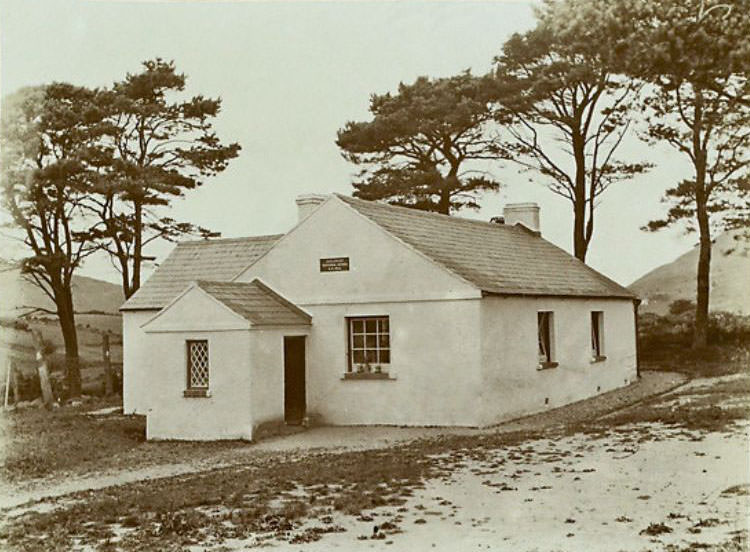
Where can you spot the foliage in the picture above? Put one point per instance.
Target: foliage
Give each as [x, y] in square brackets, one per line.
[695, 57]
[416, 147]
[664, 341]
[160, 146]
[566, 108]
[49, 167]
[681, 306]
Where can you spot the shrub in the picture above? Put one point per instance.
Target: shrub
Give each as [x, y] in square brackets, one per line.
[668, 339]
[681, 306]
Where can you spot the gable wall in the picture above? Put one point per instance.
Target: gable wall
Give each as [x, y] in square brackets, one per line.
[512, 384]
[380, 267]
[434, 322]
[196, 310]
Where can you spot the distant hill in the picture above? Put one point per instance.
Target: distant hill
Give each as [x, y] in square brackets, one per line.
[730, 279]
[89, 294]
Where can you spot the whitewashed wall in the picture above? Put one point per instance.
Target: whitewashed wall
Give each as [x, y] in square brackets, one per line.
[135, 362]
[226, 414]
[434, 319]
[435, 357]
[267, 386]
[513, 383]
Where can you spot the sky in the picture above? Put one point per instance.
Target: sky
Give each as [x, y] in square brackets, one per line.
[290, 74]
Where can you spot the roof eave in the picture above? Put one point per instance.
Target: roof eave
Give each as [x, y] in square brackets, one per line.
[624, 297]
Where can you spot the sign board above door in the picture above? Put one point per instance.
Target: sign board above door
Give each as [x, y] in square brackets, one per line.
[334, 264]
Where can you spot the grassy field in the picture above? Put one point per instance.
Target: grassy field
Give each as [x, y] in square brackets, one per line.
[18, 345]
[67, 441]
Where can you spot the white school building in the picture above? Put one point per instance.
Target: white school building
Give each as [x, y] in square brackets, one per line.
[365, 313]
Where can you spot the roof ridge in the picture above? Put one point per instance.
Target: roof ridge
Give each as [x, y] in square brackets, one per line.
[228, 240]
[422, 212]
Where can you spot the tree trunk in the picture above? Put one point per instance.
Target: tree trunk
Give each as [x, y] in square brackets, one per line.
[580, 244]
[700, 333]
[70, 337]
[444, 205]
[137, 248]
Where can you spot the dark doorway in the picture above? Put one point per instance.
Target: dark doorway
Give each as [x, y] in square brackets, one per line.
[294, 379]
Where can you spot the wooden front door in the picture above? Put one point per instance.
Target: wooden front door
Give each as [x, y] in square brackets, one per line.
[294, 379]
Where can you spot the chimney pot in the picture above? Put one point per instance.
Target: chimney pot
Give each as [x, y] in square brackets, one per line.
[307, 203]
[523, 213]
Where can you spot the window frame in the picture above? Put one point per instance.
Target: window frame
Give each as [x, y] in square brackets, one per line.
[596, 330]
[190, 389]
[545, 347]
[380, 369]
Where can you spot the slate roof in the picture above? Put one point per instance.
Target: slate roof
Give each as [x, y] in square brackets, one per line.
[217, 260]
[498, 259]
[256, 303]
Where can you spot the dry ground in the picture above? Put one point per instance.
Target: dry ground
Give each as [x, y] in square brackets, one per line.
[47, 454]
[668, 474]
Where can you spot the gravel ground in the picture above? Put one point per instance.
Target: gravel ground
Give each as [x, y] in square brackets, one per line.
[31, 493]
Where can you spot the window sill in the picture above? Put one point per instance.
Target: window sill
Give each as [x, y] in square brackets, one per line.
[600, 358]
[196, 393]
[547, 365]
[366, 376]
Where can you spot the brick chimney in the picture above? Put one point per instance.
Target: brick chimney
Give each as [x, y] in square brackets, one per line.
[525, 213]
[307, 203]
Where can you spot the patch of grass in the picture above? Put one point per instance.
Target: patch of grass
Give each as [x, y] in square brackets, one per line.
[39, 443]
[655, 529]
[737, 490]
[737, 543]
[710, 418]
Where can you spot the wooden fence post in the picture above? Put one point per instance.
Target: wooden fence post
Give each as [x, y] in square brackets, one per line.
[108, 385]
[7, 381]
[14, 382]
[43, 368]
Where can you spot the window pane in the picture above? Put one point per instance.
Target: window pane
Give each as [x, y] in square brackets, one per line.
[596, 327]
[198, 364]
[544, 336]
[369, 342]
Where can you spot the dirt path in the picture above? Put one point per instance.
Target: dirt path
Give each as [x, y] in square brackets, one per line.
[642, 487]
[31, 495]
